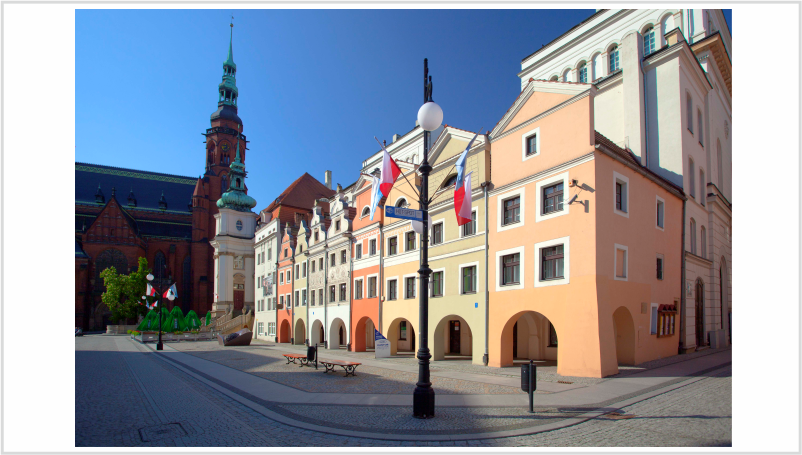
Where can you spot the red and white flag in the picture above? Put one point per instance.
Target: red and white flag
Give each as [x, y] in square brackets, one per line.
[389, 171]
[462, 202]
[151, 291]
[172, 290]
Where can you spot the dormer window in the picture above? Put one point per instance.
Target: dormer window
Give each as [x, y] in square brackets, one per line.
[401, 203]
[366, 212]
[337, 226]
[451, 181]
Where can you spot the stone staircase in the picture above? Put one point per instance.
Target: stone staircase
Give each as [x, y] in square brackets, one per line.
[231, 322]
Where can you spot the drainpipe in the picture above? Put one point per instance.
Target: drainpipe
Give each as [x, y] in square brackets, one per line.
[379, 285]
[351, 293]
[684, 317]
[645, 161]
[485, 358]
[306, 326]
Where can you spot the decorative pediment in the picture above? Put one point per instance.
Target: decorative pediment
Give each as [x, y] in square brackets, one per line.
[113, 225]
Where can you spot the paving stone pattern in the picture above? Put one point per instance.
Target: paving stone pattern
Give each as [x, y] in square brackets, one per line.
[124, 392]
[270, 364]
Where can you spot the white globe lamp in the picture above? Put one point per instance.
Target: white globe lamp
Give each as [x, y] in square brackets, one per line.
[430, 116]
[170, 296]
[149, 277]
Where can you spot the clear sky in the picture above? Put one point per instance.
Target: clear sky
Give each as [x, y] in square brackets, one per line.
[315, 85]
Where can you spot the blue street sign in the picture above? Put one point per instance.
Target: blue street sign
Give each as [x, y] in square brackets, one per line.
[407, 214]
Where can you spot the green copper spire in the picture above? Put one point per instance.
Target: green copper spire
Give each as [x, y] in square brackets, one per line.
[235, 198]
[228, 88]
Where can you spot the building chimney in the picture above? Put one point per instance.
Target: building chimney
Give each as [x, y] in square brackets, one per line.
[328, 179]
[396, 137]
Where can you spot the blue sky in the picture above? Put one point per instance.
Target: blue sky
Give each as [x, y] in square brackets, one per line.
[315, 85]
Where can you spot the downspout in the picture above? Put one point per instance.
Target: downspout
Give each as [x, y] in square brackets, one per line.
[307, 335]
[485, 358]
[381, 274]
[351, 293]
[683, 317]
[645, 161]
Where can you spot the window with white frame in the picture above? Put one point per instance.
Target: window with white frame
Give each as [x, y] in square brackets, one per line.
[312, 300]
[437, 233]
[582, 70]
[392, 289]
[359, 251]
[612, 58]
[271, 328]
[702, 186]
[689, 112]
[320, 297]
[510, 269]
[333, 259]
[343, 292]
[468, 279]
[297, 298]
[699, 125]
[512, 210]
[703, 235]
[281, 301]
[661, 212]
[410, 243]
[469, 228]
[332, 293]
[530, 144]
[303, 295]
[621, 262]
[343, 256]
[437, 284]
[313, 266]
[552, 264]
[392, 246]
[648, 41]
[621, 192]
[409, 287]
[372, 287]
[280, 278]
[653, 319]
[372, 246]
[692, 177]
[261, 330]
[358, 289]
[553, 198]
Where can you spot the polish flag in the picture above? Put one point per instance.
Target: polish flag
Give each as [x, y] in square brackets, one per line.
[389, 172]
[172, 291]
[462, 204]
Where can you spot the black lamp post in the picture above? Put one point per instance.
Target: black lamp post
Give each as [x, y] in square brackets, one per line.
[430, 116]
[159, 345]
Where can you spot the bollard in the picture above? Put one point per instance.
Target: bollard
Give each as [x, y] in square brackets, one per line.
[529, 382]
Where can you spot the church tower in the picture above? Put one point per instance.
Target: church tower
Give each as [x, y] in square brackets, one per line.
[223, 139]
[234, 262]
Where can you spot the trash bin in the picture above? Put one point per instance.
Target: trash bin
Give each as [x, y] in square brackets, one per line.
[310, 353]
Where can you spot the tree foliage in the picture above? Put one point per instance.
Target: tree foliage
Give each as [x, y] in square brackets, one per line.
[124, 293]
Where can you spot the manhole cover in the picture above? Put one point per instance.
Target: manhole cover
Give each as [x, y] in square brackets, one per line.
[164, 431]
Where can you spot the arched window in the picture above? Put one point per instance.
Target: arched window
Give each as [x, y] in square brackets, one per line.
[595, 66]
[612, 57]
[109, 258]
[703, 233]
[648, 41]
[224, 184]
[582, 71]
[565, 75]
[160, 264]
[554, 78]
[401, 203]
[238, 183]
[693, 236]
[451, 181]
[366, 211]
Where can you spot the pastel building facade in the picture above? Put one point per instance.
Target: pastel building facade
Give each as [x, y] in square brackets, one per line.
[338, 272]
[318, 266]
[664, 80]
[367, 268]
[300, 285]
[458, 312]
[564, 281]
[286, 261]
[265, 249]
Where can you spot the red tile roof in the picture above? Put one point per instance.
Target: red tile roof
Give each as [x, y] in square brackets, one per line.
[301, 193]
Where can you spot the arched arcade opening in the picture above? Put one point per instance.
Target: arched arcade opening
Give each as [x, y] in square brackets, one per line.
[284, 332]
[529, 335]
[452, 337]
[299, 336]
[401, 336]
[364, 335]
[338, 334]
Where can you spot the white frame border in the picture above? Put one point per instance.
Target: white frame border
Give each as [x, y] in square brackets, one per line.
[624, 179]
[539, 216]
[524, 138]
[378, 289]
[478, 281]
[387, 280]
[417, 286]
[431, 283]
[521, 250]
[626, 262]
[521, 192]
[652, 306]
[474, 208]
[566, 242]
[657, 203]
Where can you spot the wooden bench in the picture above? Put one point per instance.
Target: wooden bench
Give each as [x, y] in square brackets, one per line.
[293, 357]
[348, 367]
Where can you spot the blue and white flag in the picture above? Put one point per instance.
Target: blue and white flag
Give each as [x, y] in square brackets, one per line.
[375, 196]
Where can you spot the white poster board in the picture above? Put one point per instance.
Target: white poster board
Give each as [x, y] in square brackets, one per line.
[382, 346]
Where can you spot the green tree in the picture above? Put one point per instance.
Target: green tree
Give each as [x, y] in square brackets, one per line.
[124, 293]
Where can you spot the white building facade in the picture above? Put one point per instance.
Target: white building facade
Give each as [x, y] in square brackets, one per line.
[265, 248]
[665, 93]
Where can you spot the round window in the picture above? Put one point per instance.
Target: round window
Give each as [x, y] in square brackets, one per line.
[239, 225]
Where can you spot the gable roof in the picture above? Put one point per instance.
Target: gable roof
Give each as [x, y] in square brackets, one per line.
[302, 193]
[147, 186]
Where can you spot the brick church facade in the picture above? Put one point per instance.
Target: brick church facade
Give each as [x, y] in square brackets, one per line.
[168, 219]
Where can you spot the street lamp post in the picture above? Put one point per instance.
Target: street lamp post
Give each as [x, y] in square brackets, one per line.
[159, 345]
[430, 116]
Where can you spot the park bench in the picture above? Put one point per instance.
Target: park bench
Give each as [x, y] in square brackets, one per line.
[348, 367]
[291, 358]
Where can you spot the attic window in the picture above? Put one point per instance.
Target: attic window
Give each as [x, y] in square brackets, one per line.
[451, 181]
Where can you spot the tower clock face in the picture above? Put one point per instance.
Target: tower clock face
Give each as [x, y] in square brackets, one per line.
[224, 147]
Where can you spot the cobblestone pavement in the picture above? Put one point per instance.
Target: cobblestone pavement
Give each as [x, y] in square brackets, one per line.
[125, 396]
[270, 364]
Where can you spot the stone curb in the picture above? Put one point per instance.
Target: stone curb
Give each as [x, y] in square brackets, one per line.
[571, 421]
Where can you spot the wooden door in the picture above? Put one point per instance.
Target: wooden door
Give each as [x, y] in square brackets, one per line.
[453, 334]
[239, 299]
[515, 340]
[700, 315]
[342, 336]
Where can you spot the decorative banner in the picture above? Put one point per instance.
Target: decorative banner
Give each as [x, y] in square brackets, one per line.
[382, 345]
